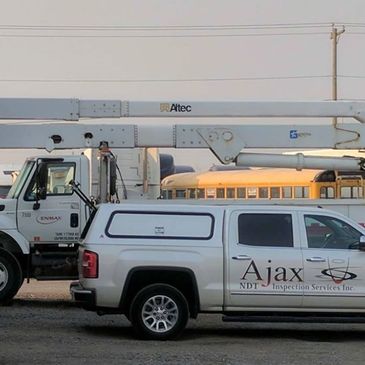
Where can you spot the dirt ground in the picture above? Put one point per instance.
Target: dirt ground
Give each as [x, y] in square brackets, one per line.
[43, 326]
[49, 290]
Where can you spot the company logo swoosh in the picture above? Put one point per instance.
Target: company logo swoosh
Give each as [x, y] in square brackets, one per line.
[338, 274]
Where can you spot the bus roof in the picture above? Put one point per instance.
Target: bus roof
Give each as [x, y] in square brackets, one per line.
[270, 176]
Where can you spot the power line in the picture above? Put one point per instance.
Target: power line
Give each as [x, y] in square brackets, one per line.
[166, 80]
[355, 25]
[161, 36]
[352, 76]
[199, 31]
[213, 79]
[164, 27]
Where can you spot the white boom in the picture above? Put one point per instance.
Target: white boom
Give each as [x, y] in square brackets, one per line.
[75, 109]
[225, 141]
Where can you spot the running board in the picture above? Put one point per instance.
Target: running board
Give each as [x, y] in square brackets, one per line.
[296, 319]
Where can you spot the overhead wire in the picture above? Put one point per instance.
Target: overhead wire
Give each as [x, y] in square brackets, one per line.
[167, 80]
[159, 36]
[166, 27]
[174, 28]
[159, 28]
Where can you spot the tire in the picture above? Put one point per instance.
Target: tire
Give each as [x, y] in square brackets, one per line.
[11, 277]
[159, 312]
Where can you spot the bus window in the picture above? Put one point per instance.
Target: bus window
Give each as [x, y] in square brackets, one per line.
[351, 192]
[220, 193]
[230, 193]
[360, 192]
[301, 192]
[286, 192]
[211, 193]
[251, 193]
[191, 194]
[166, 194]
[241, 193]
[263, 193]
[201, 193]
[345, 192]
[327, 192]
[275, 193]
[180, 194]
[306, 192]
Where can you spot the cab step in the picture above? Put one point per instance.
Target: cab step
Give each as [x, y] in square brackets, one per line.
[307, 318]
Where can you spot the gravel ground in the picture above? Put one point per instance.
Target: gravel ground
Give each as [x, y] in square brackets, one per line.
[45, 290]
[42, 326]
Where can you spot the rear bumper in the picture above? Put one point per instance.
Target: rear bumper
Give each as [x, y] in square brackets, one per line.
[86, 298]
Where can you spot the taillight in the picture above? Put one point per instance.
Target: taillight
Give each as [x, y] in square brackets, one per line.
[90, 264]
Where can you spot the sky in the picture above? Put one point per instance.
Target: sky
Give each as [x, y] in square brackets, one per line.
[180, 50]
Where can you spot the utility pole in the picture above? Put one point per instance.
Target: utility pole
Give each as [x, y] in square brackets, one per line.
[335, 35]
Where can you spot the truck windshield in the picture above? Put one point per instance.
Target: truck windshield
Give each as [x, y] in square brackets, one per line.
[20, 180]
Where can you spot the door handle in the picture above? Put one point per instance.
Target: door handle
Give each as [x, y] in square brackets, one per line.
[74, 220]
[241, 257]
[316, 259]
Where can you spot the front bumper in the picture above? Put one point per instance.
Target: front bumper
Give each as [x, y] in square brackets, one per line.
[86, 298]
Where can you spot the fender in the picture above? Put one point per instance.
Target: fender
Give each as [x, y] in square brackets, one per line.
[168, 270]
[22, 242]
[8, 214]
[8, 224]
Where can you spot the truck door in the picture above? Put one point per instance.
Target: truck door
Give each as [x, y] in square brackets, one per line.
[57, 220]
[265, 267]
[334, 266]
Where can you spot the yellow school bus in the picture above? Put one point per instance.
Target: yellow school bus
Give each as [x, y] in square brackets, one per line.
[271, 183]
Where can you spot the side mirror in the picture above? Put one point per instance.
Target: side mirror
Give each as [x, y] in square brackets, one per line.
[362, 243]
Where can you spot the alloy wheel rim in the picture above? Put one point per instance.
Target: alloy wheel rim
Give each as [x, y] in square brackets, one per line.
[160, 313]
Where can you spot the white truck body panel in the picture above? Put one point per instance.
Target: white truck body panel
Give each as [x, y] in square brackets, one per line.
[163, 242]
[140, 169]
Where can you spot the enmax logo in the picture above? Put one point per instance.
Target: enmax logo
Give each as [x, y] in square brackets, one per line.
[177, 108]
[48, 219]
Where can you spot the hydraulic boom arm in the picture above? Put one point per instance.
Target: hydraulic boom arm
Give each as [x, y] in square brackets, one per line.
[225, 141]
[75, 109]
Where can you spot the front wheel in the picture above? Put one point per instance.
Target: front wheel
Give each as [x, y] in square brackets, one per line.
[10, 277]
[159, 312]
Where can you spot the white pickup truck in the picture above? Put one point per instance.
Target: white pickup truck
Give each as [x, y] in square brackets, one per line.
[160, 264]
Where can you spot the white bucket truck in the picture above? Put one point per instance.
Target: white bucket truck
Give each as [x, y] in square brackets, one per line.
[41, 218]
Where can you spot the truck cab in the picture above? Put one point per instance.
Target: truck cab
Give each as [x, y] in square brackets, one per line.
[40, 222]
[42, 197]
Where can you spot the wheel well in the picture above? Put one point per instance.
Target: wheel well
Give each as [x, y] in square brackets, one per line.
[181, 278]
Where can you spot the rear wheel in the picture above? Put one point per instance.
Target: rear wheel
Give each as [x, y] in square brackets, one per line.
[11, 277]
[159, 312]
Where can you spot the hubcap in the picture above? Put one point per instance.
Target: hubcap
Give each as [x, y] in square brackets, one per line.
[160, 313]
[3, 276]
